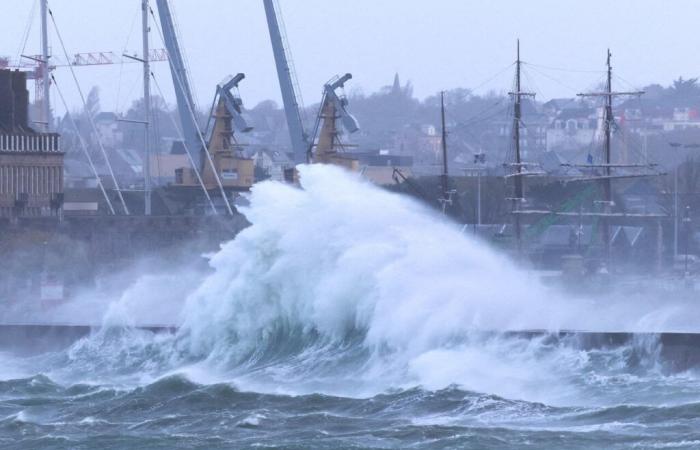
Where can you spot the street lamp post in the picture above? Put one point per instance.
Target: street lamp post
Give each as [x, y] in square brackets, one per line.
[479, 161]
[686, 225]
[675, 213]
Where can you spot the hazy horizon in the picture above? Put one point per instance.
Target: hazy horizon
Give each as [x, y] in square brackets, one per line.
[471, 48]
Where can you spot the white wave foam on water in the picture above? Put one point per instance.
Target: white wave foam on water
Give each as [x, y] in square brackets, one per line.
[342, 287]
[345, 289]
[341, 257]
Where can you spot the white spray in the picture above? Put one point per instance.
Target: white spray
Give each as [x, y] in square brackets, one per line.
[343, 270]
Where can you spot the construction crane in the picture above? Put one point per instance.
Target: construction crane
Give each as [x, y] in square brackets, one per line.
[32, 63]
[40, 67]
[35, 68]
[326, 145]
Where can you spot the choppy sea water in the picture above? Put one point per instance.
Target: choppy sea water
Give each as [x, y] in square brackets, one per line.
[348, 317]
[616, 398]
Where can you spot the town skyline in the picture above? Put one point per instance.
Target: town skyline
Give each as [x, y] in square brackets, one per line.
[473, 49]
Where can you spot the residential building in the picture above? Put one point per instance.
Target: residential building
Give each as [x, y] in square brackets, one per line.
[274, 163]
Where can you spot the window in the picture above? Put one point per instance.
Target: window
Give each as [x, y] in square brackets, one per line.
[229, 174]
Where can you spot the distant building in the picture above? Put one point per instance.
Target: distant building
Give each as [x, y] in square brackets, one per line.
[382, 158]
[164, 166]
[683, 119]
[422, 142]
[108, 129]
[498, 136]
[631, 245]
[272, 162]
[555, 105]
[78, 174]
[31, 163]
[573, 130]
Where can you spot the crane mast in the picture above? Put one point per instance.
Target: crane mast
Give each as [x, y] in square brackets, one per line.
[299, 137]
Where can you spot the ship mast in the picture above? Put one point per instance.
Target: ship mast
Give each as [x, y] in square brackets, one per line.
[602, 177]
[445, 173]
[518, 190]
[606, 179]
[447, 194]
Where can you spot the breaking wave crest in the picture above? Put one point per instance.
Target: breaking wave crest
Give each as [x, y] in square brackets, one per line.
[341, 257]
[344, 288]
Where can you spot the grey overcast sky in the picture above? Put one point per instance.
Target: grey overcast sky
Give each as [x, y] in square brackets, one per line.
[438, 44]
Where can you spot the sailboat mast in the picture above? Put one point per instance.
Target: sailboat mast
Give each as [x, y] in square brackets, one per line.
[607, 181]
[445, 173]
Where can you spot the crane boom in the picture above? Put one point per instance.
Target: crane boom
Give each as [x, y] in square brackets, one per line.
[299, 137]
[225, 90]
[183, 92]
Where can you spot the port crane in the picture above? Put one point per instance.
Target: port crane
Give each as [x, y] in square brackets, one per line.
[181, 79]
[323, 143]
[41, 67]
[289, 86]
[226, 93]
[204, 165]
[224, 163]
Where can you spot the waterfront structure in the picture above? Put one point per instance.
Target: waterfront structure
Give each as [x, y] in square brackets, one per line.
[224, 165]
[31, 163]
